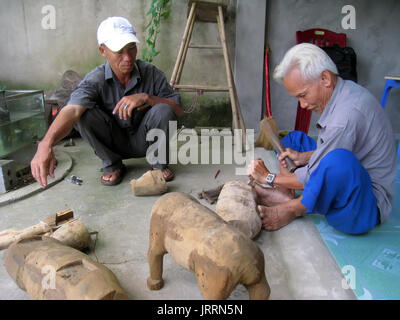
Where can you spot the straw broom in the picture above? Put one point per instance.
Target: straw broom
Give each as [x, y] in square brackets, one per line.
[264, 140]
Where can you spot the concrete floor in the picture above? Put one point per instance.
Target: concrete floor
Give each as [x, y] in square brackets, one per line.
[298, 263]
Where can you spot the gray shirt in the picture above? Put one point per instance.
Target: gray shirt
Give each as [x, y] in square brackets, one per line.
[354, 120]
[101, 88]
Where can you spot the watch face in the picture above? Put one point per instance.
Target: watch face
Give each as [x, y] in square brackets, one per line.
[270, 178]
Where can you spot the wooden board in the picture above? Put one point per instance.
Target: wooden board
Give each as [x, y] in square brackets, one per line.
[394, 78]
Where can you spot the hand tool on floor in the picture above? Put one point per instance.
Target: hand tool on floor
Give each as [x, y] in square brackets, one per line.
[263, 140]
[276, 143]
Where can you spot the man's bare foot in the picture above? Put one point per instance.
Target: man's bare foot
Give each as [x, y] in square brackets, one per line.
[274, 218]
[272, 196]
[114, 177]
[167, 174]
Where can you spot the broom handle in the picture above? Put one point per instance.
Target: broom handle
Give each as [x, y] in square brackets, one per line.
[276, 143]
[267, 90]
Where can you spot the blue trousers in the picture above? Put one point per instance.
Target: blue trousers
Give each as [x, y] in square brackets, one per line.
[340, 188]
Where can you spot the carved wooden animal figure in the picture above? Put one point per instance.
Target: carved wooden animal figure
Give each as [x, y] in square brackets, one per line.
[49, 270]
[150, 183]
[199, 240]
[237, 205]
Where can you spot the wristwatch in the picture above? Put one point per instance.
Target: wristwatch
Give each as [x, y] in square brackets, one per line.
[270, 179]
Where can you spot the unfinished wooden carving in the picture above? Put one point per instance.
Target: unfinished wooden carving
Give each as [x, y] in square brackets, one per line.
[61, 225]
[150, 183]
[73, 234]
[199, 240]
[237, 205]
[48, 270]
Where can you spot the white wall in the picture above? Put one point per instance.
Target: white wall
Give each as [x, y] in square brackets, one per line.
[32, 57]
[375, 40]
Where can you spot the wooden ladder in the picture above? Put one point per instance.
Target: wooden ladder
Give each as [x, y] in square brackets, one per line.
[210, 11]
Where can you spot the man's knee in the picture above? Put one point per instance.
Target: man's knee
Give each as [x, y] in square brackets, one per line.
[91, 119]
[341, 165]
[162, 112]
[340, 158]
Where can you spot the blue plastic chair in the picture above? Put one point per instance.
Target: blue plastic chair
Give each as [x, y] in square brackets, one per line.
[391, 82]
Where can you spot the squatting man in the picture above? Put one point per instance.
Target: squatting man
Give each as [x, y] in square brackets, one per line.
[348, 174]
[114, 107]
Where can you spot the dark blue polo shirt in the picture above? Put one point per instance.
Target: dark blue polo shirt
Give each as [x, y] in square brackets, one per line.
[101, 88]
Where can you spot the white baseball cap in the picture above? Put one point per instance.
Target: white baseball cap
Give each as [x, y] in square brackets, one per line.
[116, 33]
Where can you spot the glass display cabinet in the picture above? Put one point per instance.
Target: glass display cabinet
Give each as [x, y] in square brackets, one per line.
[22, 119]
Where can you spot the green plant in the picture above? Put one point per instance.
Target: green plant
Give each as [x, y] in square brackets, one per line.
[159, 9]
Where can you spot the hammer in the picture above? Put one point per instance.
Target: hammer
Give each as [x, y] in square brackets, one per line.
[276, 143]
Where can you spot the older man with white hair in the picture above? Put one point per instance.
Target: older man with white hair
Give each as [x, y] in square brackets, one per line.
[114, 107]
[348, 173]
